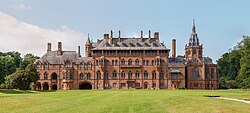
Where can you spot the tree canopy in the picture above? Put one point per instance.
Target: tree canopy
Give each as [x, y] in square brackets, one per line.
[17, 72]
[234, 66]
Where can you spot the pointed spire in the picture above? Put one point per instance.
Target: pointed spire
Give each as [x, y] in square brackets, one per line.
[193, 40]
[193, 29]
[88, 41]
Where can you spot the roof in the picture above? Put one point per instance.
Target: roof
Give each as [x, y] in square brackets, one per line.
[88, 42]
[52, 58]
[177, 61]
[175, 71]
[131, 44]
[207, 60]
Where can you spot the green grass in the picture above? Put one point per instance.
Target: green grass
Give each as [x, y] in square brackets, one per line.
[118, 101]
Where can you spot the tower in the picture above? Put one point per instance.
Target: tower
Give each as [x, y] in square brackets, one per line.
[88, 47]
[193, 49]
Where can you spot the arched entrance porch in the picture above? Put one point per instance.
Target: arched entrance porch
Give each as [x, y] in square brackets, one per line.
[45, 86]
[38, 86]
[85, 86]
[54, 87]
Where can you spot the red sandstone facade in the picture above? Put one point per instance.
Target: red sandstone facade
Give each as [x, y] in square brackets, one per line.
[127, 63]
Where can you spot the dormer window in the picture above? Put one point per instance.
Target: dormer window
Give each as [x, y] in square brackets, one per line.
[46, 65]
[38, 65]
[89, 65]
[81, 65]
[67, 64]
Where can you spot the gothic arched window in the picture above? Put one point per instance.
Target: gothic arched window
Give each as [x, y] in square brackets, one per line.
[129, 75]
[129, 62]
[123, 62]
[145, 75]
[81, 76]
[114, 75]
[45, 76]
[137, 62]
[88, 76]
[195, 73]
[98, 75]
[113, 62]
[137, 75]
[153, 75]
[116, 62]
[123, 75]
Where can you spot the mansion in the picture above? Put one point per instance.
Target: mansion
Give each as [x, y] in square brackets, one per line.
[127, 63]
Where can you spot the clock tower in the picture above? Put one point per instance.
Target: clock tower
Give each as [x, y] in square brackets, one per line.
[193, 49]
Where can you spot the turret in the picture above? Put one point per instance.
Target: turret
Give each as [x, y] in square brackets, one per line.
[193, 48]
[88, 47]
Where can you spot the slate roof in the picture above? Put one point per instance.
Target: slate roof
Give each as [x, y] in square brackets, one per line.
[131, 44]
[177, 61]
[52, 58]
[207, 60]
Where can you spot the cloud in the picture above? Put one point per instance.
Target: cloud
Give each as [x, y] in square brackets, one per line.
[20, 6]
[27, 38]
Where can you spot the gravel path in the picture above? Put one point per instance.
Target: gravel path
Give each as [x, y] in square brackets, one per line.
[235, 99]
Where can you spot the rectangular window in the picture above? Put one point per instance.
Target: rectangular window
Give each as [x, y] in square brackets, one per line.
[137, 75]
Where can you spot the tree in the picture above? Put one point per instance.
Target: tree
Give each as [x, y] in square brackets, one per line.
[7, 66]
[234, 66]
[222, 83]
[16, 80]
[20, 78]
[28, 59]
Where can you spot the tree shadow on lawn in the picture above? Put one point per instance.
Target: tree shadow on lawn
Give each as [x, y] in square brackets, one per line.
[15, 91]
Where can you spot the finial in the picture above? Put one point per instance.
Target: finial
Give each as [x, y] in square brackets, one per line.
[193, 29]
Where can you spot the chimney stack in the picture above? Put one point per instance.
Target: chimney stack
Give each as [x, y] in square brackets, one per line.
[149, 34]
[111, 34]
[173, 48]
[79, 51]
[59, 50]
[106, 36]
[141, 34]
[119, 36]
[156, 35]
[49, 47]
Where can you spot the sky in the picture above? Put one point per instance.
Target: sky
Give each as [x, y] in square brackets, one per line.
[28, 25]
